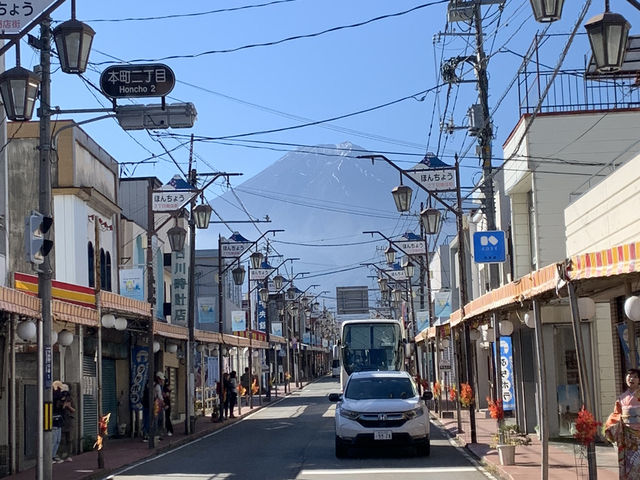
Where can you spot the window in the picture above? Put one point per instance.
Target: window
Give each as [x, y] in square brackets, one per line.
[103, 269]
[107, 263]
[91, 264]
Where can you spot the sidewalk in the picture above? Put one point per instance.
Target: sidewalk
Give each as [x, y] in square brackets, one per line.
[121, 452]
[565, 461]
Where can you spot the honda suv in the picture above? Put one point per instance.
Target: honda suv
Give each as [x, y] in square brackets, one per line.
[381, 408]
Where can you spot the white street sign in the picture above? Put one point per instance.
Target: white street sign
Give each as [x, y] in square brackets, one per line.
[435, 179]
[171, 200]
[396, 274]
[412, 247]
[15, 16]
[234, 249]
[260, 273]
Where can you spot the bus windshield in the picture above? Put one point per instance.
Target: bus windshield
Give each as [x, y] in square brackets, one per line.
[372, 346]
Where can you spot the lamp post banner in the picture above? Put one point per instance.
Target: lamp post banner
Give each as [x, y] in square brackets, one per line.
[442, 304]
[207, 309]
[238, 321]
[276, 328]
[132, 283]
[422, 320]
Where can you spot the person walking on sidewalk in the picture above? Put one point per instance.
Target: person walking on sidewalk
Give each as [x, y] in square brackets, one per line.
[232, 393]
[226, 398]
[623, 427]
[166, 396]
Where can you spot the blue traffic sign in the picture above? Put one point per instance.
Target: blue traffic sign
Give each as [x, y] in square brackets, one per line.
[489, 247]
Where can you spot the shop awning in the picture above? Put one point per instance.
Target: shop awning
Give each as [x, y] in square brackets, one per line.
[13, 301]
[124, 305]
[613, 261]
[168, 330]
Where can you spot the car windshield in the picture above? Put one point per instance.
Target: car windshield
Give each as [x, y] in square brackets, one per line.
[380, 387]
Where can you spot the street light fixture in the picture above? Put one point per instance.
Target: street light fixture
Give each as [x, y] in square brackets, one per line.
[256, 260]
[546, 11]
[177, 236]
[431, 220]
[409, 270]
[383, 284]
[19, 89]
[238, 275]
[73, 42]
[278, 280]
[402, 196]
[390, 254]
[608, 34]
[264, 295]
[202, 215]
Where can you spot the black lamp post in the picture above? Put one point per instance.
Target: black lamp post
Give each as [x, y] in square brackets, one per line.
[546, 11]
[608, 34]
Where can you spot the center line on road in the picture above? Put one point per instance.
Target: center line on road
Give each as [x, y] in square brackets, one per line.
[370, 471]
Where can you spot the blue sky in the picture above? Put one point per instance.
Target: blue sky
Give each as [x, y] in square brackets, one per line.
[308, 79]
[395, 54]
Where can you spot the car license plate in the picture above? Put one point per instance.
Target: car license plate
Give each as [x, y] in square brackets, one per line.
[382, 435]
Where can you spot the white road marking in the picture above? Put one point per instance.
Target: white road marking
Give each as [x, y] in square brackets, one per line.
[372, 471]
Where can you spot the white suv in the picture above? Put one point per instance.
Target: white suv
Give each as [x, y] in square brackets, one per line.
[381, 408]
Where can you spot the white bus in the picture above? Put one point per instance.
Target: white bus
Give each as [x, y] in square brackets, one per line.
[371, 345]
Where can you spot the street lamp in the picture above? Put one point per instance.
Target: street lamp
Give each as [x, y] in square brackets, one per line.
[19, 89]
[278, 280]
[409, 269]
[390, 255]
[202, 215]
[73, 42]
[256, 260]
[238, 275]
[402, 196]
[177, 236]
[608, 34]
[546, 11]
[431, 220]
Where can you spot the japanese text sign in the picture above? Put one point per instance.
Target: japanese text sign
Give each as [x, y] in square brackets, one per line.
[435, 179]
[17, 15]
[179, 287]
[125, 81]
[171, 200]
[489, 247]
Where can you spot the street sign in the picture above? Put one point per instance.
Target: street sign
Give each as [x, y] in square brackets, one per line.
[16, 16]
[171, 200]
[435, 179]
[148, 80]
[489, 247]
[259, 274]
[396, 274]
[412, 247]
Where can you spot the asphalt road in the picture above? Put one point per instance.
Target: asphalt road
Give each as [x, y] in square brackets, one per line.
[293, 438]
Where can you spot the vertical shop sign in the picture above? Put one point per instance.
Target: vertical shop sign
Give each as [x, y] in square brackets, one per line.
[179, 287]
[506, 369]
[139, 372]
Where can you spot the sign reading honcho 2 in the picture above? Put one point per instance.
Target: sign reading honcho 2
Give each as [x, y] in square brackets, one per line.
[149, 80]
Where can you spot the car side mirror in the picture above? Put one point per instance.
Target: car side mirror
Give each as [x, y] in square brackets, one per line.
[335, 397]
[427, 395]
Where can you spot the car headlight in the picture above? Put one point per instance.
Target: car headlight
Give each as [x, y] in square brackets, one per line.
[349, 414]
[416, 412]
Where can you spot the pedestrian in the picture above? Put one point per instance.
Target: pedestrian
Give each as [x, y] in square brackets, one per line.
[623, 427]
[58, 411]
[226, 398]
[245, 381]
[68, 422]
[166, 395]
[233, 392]
[158, 400]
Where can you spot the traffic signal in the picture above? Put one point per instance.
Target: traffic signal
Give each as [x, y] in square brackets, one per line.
[36, 247]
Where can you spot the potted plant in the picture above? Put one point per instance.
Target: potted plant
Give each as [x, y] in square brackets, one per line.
[509, 436]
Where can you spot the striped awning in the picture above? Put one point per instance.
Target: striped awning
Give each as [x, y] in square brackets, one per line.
[617, 260]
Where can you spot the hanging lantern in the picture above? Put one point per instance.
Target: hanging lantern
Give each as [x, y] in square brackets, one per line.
[608, 34]
[506, 328]
[177, 236]
[587, 308]
[256, 260]
[529, 319]
[65, 338]
[431, 220]
[202, 215]
[27, 330]
[278, 280]
[238, 275]
[54, 337]
[73, 42]
[546, 11]
[632, 308]
[402, 197]
[172, 348]
[264, 295]
[108, 321]
[390, 254]
[19, 89]
[121, 323]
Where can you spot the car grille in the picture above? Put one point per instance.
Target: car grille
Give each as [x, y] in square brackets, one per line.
[381, 420]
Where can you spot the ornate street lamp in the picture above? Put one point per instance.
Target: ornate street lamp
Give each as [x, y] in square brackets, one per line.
[397, 295]
[291, 292]
[264, 295]
[278, 280]
[385, 295]
[256, 260]
[608, 34]
[305, 301]
[202, 215]
[177, 236]
[431, 220]
[402, 196]
[383, 284]
[409, 270]
[546, 11]
[73, 42]
[390, 254]
[19, 89]
[238, 275]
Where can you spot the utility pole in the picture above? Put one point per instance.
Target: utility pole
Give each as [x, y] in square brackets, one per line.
[485, 134]
[45, 272]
